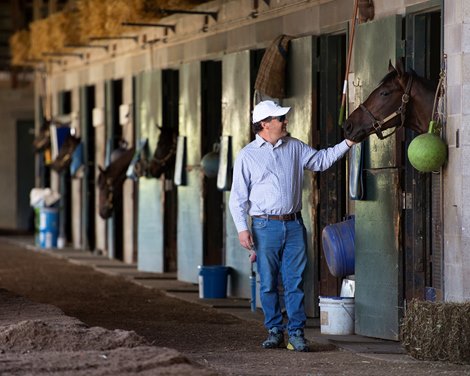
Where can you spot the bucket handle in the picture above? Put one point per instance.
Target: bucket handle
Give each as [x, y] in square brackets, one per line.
[352, 318]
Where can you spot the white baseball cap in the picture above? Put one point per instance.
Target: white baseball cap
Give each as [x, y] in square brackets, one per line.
[266, 109]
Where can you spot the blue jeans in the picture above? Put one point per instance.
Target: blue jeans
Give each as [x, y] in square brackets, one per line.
[281, 246]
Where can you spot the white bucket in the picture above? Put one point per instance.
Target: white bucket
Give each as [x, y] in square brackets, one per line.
[336, 315]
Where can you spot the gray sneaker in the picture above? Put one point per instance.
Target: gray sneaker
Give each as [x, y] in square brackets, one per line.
[297, 342]
[275, 339]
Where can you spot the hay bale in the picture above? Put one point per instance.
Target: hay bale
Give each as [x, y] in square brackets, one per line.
[437, 331]
[92, 18]
[40, 40]
[151, 7]
[95, 18]
[20, 44]
[62, 30]
[119, 11]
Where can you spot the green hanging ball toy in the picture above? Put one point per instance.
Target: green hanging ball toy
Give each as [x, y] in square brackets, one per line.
[427, 152]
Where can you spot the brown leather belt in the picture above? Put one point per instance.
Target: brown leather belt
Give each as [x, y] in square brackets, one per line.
[282, 217]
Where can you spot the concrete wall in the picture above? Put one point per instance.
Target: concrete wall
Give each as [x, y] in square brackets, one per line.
[456, 189]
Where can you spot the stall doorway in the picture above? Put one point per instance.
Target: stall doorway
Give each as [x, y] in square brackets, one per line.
[170, 116]
[65, 221]
[422, 227]
[87, 103]
[211, 120]
[113, 97]
[331, 52]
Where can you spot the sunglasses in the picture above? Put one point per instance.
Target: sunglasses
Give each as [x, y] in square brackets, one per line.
[281, 119]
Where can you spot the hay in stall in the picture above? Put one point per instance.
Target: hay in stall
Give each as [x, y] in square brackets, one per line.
[20, 44]
[437, 331]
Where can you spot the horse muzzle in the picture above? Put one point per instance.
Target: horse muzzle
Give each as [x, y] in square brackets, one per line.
[353, 131]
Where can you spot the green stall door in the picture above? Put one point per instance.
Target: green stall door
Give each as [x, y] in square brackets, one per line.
[378, 253]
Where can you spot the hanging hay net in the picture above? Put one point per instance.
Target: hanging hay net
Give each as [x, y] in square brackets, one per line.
[20, 44]
[437, 331]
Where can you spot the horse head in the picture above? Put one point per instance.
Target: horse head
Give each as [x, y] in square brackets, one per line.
[401, 98]
[163, 159]
[110, 181]
[43, 140]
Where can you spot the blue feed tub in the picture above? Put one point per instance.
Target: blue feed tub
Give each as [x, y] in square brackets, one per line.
[338, 247]
[213, 281]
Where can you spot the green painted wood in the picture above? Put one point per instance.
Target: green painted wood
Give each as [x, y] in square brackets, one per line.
[378, 255]
[150, 211]
[236, 123]
[190, 250]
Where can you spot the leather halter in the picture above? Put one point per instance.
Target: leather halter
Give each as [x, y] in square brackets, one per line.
[161, 162]
[110, 194]
[378, 124]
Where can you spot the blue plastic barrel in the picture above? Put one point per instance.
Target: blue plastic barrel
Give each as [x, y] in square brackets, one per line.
[213, 281]
[48, 227]
[338, 247]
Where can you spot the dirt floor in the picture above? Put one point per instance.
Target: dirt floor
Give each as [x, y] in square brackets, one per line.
[124, 329]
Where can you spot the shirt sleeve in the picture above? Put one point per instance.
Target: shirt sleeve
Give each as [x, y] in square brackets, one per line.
[239, 195]
[321, 160]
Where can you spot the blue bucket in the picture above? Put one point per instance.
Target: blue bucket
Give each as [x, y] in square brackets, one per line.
[338, 247]
[213, 281]
[48, 227]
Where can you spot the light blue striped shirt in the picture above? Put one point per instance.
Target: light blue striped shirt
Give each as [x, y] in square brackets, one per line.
[268, 179]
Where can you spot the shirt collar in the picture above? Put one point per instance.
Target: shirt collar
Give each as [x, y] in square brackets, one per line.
[260, 141]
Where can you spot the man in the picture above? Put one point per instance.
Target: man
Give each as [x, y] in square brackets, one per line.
[267, 185]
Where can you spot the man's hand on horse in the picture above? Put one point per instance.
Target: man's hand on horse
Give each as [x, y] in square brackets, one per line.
[350, 142]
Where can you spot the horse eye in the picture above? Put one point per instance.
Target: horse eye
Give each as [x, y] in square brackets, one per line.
[384, 93]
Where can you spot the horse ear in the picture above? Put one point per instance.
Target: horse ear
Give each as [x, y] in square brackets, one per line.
[391, 68]
[101, 169]
[400, 67]
[159, 127]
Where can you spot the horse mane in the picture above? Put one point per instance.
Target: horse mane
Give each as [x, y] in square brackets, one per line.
[428, 84]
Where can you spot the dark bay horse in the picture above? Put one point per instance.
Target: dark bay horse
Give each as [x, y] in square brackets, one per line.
[401, 99]
[110, 180]
[163, 159]
[43, 140]
[64, 158]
